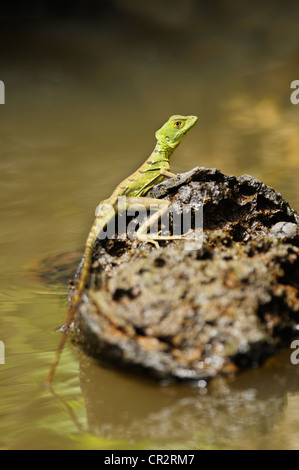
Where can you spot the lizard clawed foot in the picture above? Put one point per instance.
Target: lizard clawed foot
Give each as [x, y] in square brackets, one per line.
[149, 240]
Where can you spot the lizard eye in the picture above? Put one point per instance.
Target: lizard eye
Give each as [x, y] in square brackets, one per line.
[177, 124]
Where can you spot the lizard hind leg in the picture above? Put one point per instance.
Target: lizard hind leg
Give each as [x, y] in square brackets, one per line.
[161, 206]
[147, 203]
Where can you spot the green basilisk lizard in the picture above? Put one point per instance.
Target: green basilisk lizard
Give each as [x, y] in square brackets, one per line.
[153, 171]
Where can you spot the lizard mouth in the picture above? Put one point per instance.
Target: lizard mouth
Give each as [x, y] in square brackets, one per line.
[193, 120]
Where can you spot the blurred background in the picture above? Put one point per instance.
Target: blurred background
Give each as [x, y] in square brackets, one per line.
[87, 83]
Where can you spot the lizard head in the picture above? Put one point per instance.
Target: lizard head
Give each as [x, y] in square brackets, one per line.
[175, 129]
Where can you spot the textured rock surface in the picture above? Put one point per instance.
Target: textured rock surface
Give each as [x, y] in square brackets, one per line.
[177, 314]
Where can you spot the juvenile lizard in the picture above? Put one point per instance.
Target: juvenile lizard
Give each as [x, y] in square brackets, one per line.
[153, 171]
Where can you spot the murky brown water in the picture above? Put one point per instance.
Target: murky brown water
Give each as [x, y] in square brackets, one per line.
[83, 99]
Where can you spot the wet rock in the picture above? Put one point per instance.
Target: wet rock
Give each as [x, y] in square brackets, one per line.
[286, 231]
[190, 315]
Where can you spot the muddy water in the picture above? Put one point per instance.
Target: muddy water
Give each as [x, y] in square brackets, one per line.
[82, 101]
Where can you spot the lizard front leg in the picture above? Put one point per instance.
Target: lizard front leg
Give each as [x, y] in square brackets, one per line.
[167, 173]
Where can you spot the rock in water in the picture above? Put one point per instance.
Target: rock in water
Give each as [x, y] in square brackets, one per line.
[189, 315]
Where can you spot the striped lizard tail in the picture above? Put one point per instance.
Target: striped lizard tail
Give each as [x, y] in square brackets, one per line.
[83, 280]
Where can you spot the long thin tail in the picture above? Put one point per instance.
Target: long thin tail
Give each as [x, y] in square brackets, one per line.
[83, 280]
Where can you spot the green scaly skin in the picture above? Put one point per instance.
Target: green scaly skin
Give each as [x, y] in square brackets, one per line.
[137, 185]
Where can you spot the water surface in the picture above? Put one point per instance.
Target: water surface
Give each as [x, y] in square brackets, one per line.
[84, 97]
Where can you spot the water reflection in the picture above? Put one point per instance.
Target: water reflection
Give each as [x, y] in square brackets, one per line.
[237, 413]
